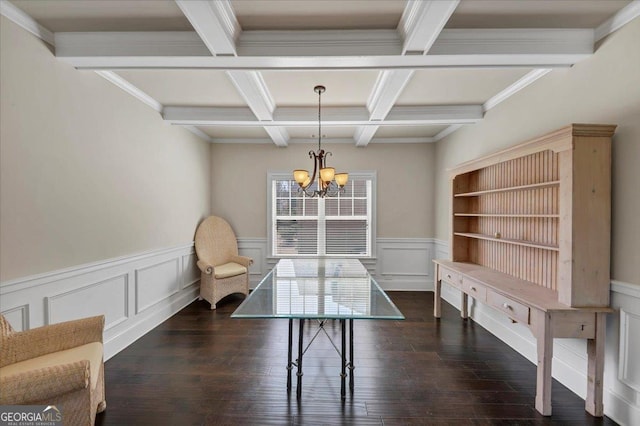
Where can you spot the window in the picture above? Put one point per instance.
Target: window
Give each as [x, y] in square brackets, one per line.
[333, 226]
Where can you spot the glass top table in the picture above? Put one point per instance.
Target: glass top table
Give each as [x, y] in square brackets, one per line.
[319, 289]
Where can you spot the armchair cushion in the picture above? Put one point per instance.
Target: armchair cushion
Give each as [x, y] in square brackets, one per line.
[230, 269]
[91, 352]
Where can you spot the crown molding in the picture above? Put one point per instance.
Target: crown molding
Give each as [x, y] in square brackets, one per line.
[130, 89]
[17, 16]
[515, 88]
[199, 133]
[617, 21]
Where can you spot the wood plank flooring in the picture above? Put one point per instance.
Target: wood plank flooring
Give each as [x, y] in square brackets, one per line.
[201, 367]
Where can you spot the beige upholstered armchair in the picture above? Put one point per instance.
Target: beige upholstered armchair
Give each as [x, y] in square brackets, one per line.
[223, 271]
[59, 364]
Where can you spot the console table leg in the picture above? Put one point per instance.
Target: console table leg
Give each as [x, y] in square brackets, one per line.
[595, 367]
[544, 338]
[437, 289]
[464, 303]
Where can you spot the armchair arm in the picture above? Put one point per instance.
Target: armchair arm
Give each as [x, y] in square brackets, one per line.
[242, 260]
[28, 344]
[43, 384]
[205, 267]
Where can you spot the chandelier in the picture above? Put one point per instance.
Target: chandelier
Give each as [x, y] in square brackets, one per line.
[330, 183]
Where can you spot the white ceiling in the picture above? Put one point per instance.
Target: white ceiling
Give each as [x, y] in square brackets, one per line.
[395, 71]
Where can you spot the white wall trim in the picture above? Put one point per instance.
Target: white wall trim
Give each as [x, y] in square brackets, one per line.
[135, 293]
[514, 88]
[19, 17]
[617, 21]
[398, 264]
[130, 89]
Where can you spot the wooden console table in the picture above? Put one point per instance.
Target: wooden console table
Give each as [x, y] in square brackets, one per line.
[538, 308]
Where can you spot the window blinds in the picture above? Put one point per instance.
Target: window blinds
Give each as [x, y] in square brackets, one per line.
[338, 226]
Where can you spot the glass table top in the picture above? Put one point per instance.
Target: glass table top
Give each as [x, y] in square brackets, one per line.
[318, 288]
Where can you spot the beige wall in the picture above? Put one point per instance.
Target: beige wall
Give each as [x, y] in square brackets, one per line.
[239, 176]
[603, 89]
[87, 172]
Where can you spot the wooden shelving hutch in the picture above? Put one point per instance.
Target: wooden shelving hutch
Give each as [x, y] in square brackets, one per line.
[530, 232]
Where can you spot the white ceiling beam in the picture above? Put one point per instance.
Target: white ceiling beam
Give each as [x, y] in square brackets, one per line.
[538, 48]
[215, 23]
[388, 87]
[255, 93]
[292, 141]
[422, 22]
[332, 116]
[319, 43]
[420, 26]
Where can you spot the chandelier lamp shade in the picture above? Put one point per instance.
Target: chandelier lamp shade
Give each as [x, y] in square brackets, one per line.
[330, 183]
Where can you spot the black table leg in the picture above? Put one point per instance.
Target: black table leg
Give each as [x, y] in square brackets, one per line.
[343, 374]
[299, 374]
[289, 363]
[351, 365]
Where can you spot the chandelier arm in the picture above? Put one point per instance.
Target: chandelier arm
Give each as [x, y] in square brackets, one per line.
[313, 156]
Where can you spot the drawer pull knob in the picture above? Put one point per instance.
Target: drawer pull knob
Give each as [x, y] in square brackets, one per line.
[473, 289]
[506, 306]
[449, 276]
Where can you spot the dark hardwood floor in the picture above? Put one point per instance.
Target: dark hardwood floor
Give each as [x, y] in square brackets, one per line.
[202, 367]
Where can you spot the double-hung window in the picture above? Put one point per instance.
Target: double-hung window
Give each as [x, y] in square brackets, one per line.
[341, 226]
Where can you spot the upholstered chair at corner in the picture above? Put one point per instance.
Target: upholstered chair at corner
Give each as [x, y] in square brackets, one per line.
[60, 364]
[223, 271]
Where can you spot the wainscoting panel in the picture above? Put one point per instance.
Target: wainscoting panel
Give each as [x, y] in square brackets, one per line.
[622, 349]
[630, 349]
[109, 296]
[190, 271]
[18, 317]
[256, 249]
[135, 293]
[156, 283]
[404, 263]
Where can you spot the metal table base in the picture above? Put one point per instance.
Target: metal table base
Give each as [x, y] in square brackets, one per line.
[302, 349]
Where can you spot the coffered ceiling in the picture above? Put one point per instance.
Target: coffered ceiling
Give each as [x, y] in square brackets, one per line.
[243, 71]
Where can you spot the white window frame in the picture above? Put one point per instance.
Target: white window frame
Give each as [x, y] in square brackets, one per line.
[271, 221]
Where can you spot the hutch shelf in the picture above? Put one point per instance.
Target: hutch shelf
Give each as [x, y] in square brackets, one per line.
[530, 232]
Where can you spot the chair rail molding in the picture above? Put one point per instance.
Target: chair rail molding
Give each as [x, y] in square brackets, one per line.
[622, 365]
[135, 293]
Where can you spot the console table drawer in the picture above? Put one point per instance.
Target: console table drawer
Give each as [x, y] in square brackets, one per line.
[474, 289]
[516, 311]
[449, 276]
